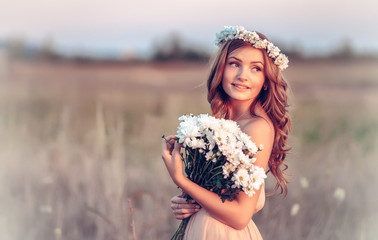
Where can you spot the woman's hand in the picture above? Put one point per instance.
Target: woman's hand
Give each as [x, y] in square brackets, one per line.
[182, 209]
[170, 152]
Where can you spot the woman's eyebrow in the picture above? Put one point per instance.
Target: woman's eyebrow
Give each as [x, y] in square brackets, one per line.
[242, 61]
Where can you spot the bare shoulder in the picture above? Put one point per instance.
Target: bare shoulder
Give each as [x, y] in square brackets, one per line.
[261, 131]
[258, 126]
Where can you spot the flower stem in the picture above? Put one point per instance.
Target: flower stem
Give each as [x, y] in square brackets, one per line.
[179, 234]
[167, 141]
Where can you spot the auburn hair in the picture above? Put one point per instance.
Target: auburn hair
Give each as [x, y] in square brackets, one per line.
[274, 101]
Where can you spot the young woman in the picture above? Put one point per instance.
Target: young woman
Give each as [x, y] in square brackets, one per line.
[245, 85]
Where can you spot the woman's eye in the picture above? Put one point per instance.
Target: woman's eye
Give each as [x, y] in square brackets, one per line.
[234, 64]
[256, 69]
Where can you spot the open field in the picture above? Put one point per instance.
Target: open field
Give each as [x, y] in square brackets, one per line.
[80, 150]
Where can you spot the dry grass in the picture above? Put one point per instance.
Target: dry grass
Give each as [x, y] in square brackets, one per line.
[80, 150]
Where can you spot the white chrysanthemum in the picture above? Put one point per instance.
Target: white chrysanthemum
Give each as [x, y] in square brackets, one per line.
[244, 138]
[244, 159]
[206, 121]
[241, 177]
[248, 162]
[230, 126]
[198, 143]
[186, 141]
[207, 133]
[251, 147]
[188, 128]
[257, 177]
[220, 137]
[211, 139]
[183, 118]
[229, 148]
[249, 191]
[239, 145]
[228, 169]
[186, 135]
[248, 144]
[209, 155]
[233, 159]
[261, 147]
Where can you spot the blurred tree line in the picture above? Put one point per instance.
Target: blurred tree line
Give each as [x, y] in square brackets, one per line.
[18, 48]
[174, 48]
[171, 48]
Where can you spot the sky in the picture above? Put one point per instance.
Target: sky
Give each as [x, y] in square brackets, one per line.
[125, 25]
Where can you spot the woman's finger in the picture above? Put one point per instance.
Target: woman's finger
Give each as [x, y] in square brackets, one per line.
[185, 211]
[184, 206]
[165, 149]
[183, 216]
[178, 199]
[170, 140]
[176, 151]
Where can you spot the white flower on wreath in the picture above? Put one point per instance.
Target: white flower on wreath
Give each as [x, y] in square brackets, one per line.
[269, 46]
[274, 52]
[239, 32]
[262, 44]
[282, 61]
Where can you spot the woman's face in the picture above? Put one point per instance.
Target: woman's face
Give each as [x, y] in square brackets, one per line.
[243, 75]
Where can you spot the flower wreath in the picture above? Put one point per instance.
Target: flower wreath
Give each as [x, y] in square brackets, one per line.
[239, 32]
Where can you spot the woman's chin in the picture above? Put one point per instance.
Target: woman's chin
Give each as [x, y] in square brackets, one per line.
[240, 99]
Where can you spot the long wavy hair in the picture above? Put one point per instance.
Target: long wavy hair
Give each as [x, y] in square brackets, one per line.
[273, 100]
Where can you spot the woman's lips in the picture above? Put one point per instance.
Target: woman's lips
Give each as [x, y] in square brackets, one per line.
[240, 86]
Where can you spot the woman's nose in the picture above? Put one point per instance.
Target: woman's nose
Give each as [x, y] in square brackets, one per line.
[242, 75]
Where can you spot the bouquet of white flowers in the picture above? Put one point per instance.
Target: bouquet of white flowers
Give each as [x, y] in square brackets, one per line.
[219, 157]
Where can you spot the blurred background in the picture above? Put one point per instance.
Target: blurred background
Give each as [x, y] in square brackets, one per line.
[87, 88]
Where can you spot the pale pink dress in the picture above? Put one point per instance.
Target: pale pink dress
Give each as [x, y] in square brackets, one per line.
[202, 226]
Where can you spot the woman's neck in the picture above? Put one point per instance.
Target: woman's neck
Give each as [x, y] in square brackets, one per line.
[240, 110]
